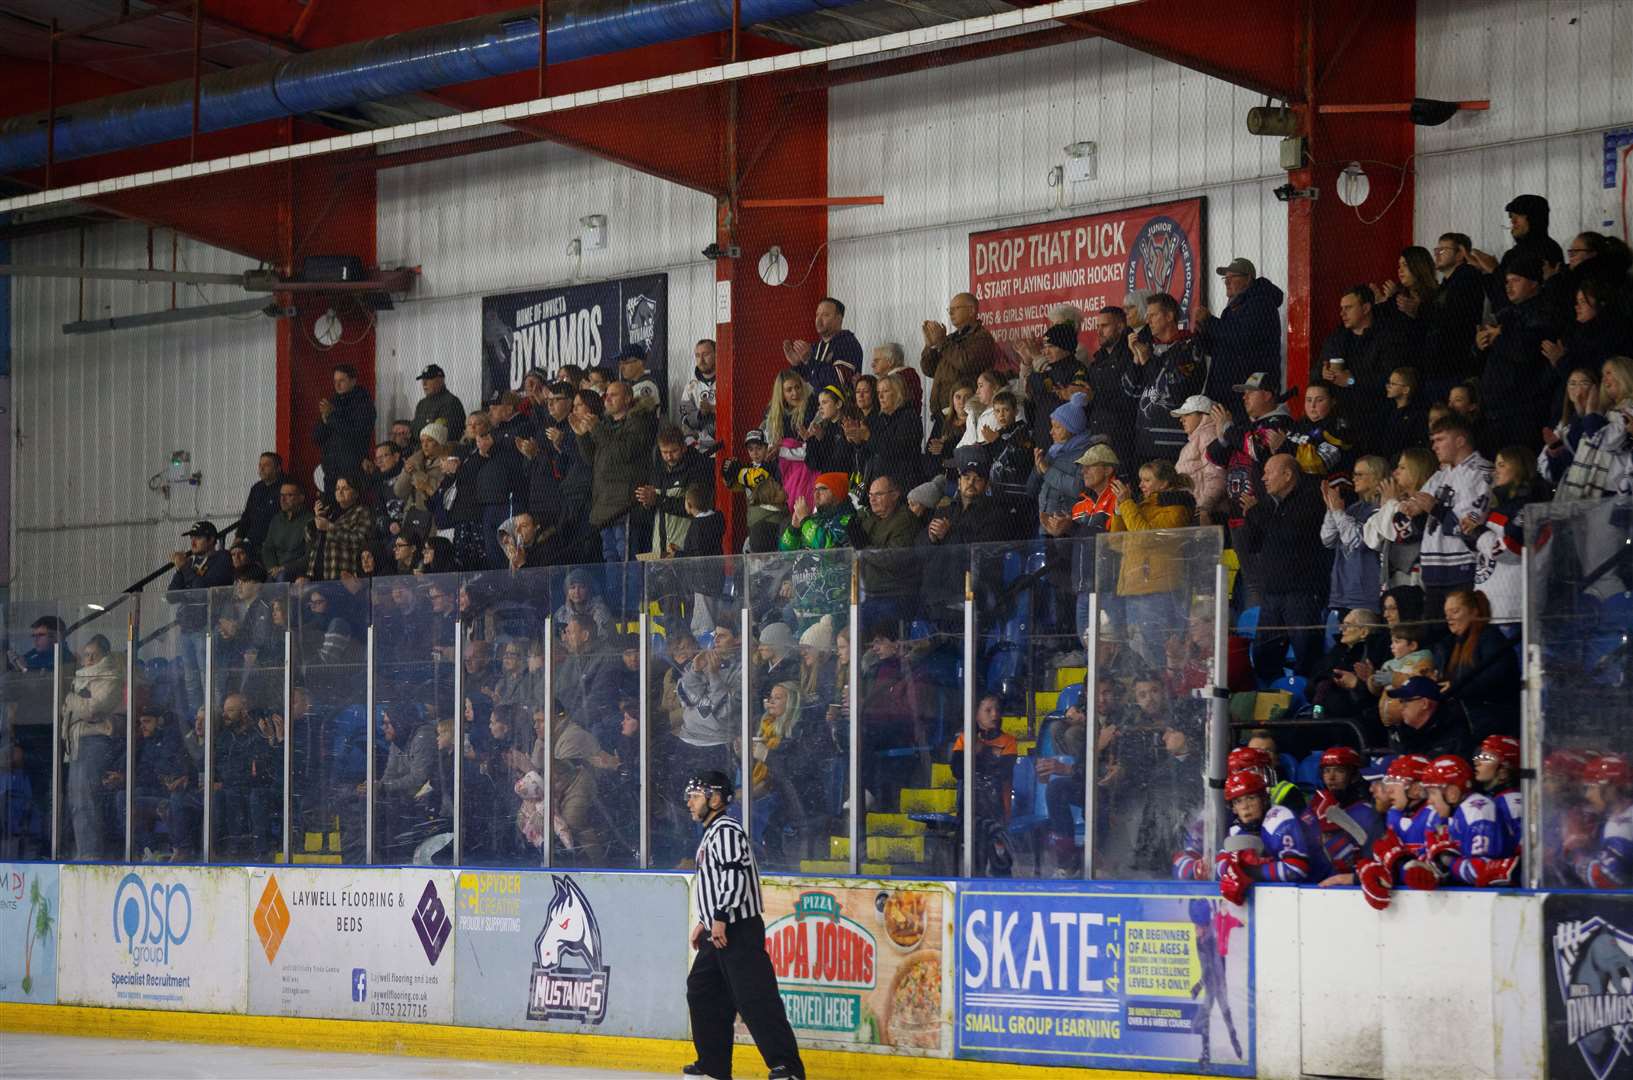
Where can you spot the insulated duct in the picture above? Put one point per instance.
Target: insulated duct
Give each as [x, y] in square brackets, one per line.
[405, 63]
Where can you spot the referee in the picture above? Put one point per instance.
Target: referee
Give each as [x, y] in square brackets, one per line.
[732, 973]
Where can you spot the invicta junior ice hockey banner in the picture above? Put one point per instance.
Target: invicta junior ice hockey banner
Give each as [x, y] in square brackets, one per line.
[1155, 977]
[1019, 273]
[1588, 968]
[586, 325]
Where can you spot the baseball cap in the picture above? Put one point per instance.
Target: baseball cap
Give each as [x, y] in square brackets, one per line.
[1238, 266]
[632, 351]
[1419, 686]
[1196, 403]
[1375, 768]
[204, 529]
[1260, 380]
[970, 459]
[432, 371]
[756, 436]
[1099, 454]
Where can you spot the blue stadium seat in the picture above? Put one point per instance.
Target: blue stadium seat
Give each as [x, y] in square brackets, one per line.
[1307, 774]
[1295, 685]
[1247, 623]
[1070, 696]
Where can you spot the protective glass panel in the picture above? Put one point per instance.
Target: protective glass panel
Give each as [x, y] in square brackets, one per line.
[95, 729]
[910, 678]
[1154, 661]
[1029, 670]
[1579, 624]
[27, 710]
[799, 602]
[414, 688]
[169, 644]
[596, 748]
[694, 690]
[330, 736]
[247, 686]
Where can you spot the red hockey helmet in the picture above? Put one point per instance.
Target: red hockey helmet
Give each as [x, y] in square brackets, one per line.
[1341, 756]
[1250, 759]
[1500, 748]
[1239, 784]
[1448, 770]
[1609, 769]
[1407, 767]
[1567, 765]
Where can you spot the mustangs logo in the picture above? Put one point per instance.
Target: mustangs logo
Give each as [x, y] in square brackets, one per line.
[1594, 963]
[569, 974]
[1161, 260]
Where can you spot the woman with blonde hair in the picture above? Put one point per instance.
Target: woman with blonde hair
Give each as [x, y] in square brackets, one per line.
[1152, 580]
[1394, 534]
[1603, 464]
[421, 474]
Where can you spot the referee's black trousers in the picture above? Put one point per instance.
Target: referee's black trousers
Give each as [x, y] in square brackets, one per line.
[738, 980]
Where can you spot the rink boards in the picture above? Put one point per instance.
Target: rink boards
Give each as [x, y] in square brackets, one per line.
[990, 973]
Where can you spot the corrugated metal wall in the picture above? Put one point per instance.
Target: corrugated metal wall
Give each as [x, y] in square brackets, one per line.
[500, 222]
[968, 147]
[99, 414]
[1557, 74]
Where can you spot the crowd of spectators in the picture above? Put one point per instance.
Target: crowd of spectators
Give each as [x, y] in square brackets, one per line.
[1375, 518]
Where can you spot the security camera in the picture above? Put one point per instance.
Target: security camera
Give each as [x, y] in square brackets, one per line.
[1287, 192]
[715, 251]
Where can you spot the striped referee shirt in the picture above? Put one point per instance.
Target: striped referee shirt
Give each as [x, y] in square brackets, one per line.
[728, 882]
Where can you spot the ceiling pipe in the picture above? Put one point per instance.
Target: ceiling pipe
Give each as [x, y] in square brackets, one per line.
[407, 63]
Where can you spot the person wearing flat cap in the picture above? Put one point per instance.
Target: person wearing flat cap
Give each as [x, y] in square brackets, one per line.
[1430, 723]
[439, 403]
[1246, 330]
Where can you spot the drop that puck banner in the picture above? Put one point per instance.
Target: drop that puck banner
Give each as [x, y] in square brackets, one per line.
[1019, 273]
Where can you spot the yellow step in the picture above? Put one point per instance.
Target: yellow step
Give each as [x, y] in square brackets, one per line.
[322, 860]
[1045, 701]
[1016, 726]
[880, 848]
[941, 775]
[893, 825]
[840, 866]
[929, 800]
[1070, 676]
[1024, 747]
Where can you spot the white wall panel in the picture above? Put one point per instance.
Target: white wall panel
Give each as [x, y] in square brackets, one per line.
[1557, 73]
[99, 414]
[500, 222]
[968, 147]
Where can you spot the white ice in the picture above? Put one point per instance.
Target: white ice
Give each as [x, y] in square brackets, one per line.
[36, 1057]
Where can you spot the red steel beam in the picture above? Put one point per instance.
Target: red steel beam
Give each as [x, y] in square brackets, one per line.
[1480, 105]
[832, 200]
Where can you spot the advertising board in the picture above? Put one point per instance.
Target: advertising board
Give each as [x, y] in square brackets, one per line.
[1019, 273]
[30, 918]
[351, 943]
[589, 953]
[1587, 954]
[153, 937]
[1125, 976]
[863, 963]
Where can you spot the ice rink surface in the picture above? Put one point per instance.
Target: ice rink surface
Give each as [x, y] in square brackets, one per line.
[26, 1057]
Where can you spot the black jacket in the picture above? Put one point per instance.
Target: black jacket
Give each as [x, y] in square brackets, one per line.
[1111, 412]
[1042, 391]
[1396, 429]
[1518, 380]
[1371, 355]
[893, 448]
[347, 436]
[1488, 687]
[260, 507]
[503, 480]
[1286, 534]
[1449, 322]
[1243, 338]
[989, 519]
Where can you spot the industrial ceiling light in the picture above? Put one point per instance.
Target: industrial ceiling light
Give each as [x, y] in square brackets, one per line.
[1272, 120]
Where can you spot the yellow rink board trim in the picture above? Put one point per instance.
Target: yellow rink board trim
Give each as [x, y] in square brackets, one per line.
[491, 1044]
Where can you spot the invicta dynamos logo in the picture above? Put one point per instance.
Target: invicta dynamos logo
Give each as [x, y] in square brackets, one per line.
[569, 974]
[1594, 962]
